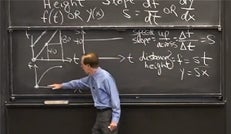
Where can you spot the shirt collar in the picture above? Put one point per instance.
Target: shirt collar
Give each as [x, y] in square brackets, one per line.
[97, 72]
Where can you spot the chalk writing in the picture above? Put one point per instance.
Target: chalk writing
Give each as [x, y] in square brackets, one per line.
[161, 51]
[115, 13]
[184, 43]
[149, 11]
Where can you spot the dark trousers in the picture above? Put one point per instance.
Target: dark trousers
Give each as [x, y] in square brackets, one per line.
[103, 120]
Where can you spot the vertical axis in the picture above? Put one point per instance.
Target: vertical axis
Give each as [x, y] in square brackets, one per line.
[83, 38]
[61, 44]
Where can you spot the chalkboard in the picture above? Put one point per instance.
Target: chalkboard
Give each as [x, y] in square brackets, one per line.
[114, 13]
[142, 61]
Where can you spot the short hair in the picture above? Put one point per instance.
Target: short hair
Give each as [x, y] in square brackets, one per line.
[91, 59]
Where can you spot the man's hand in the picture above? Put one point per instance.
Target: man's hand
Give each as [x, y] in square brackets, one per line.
[56, 86]
[112, 126]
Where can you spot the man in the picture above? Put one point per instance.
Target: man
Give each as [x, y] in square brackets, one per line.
[104, 92]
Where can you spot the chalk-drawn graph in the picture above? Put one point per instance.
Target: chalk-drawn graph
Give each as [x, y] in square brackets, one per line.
[49, 47]
[182, 54]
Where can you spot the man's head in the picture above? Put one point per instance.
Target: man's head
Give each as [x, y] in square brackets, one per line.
[89, 62]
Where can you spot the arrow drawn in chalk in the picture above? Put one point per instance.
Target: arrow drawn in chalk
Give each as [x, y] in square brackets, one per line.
[119, 57]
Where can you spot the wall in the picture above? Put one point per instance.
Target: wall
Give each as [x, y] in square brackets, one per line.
[228, 55]
[134, 119]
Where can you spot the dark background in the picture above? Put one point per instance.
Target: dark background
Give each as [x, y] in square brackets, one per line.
[188, 114]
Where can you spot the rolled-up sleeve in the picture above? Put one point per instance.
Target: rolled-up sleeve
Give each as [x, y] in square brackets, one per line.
[76, 84]
[115, 100]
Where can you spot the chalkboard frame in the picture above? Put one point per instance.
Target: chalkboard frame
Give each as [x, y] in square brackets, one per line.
[126, 98]
[180, 98]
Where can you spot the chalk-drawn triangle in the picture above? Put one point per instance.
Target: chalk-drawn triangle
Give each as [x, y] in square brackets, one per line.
[48, 47]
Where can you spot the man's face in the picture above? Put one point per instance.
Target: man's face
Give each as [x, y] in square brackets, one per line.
[86, 68]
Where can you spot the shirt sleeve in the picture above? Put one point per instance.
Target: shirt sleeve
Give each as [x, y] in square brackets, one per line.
[76, 84]
[115, 100]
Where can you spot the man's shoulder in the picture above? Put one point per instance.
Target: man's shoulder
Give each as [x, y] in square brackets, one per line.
[103, 74]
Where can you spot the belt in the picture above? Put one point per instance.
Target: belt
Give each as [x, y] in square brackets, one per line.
[104, 109]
